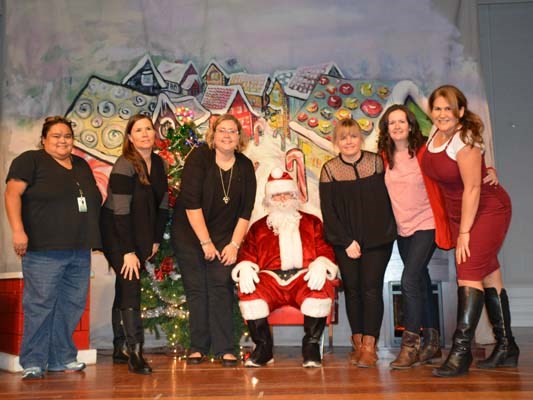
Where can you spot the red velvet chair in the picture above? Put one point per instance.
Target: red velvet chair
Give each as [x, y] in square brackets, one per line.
[289, 315]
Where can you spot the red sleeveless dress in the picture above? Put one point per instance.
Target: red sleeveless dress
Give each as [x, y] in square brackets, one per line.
[490, 224]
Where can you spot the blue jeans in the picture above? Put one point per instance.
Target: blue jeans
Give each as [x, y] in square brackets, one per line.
[55, 293]
[416, 252]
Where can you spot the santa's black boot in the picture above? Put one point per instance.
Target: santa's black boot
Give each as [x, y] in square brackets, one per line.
[260, 333]
[313, 328]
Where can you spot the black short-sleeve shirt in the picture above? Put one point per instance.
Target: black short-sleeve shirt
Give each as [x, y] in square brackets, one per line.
[50, 211]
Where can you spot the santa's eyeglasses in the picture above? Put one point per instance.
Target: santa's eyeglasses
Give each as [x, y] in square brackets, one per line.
[284, 196]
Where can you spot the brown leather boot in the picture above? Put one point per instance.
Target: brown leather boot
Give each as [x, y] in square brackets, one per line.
[430, 351]
[357, 342]
[368, 357]
[408, 356]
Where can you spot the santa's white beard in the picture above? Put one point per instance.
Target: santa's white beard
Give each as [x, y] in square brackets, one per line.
[284, 220]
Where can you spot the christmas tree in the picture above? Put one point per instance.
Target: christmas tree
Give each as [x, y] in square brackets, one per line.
[163, 302]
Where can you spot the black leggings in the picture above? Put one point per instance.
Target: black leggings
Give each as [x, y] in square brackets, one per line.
[362, 279]
[127, 292]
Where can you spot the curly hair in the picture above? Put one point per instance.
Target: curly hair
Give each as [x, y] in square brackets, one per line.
[470, 122]
[415, 139]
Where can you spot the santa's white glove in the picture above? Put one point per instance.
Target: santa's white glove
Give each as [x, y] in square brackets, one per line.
[245, 273]
[316, 276]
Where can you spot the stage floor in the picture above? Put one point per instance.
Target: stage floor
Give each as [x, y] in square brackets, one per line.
[285, 379]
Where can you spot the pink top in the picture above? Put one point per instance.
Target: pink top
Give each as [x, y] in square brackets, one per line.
[409, 198]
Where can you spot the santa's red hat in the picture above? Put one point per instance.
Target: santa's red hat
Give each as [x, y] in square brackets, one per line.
[279, 181]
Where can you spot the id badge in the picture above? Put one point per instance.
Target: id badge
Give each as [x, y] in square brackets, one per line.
[82, 204]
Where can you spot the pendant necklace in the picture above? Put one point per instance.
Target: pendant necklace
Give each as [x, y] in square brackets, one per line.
[226, 198]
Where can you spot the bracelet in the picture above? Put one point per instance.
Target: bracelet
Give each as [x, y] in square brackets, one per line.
[204, 242]
[463, 233]
[235, 245]
[492, 168]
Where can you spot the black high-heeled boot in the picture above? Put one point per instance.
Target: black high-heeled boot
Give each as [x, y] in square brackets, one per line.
[120, 349]
[133, 328]
[506, 351]
[469, 307]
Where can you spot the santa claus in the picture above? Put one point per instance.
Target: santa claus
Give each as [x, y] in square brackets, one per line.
[284, 259]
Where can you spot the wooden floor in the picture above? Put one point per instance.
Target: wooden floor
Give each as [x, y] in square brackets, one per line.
[285, 379]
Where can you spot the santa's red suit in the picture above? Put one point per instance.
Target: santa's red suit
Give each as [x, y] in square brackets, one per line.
[282, 262]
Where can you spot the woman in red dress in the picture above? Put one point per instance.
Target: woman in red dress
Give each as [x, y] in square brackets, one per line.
[479, 215]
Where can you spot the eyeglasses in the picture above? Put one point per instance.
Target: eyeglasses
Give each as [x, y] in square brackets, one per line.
[230, 131]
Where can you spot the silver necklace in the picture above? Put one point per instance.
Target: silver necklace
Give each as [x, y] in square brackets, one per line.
[226, 198]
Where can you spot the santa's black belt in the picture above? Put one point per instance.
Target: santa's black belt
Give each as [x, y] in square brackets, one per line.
[287, 274]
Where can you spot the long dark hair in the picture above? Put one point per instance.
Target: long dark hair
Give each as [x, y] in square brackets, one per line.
[469, 121]
[415, 139]
[130, 153]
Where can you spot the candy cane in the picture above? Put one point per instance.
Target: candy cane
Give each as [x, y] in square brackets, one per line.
[259, 128]
[297, 156]
[279, 132]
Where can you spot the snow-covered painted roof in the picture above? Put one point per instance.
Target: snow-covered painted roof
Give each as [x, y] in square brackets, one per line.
[201, 114]
[365, 101]
[100, 113]
[227, 66]
[283, 76]
[189, 81]
[218, 99]
[255, 84]
[305, 78]
[146, 58]
[173, 71]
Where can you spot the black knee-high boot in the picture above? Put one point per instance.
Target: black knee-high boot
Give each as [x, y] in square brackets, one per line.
[505, 352]
[260, 333]
[313, 328]
[120, 348]
[469, 307]
[134, 331]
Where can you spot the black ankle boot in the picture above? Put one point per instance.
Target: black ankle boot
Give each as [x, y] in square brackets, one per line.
[133, 329]
[469, 307]
[136, 361]
[505, 352]
[260, 334]
[313, 328]
[120, 349]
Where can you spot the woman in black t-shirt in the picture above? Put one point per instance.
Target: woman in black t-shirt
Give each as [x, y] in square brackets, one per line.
[133, 222]
[210, 220]
[359, 223]
[53, 204]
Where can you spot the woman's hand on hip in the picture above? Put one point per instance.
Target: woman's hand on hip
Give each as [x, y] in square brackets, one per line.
[131, 266]
[353, 250]
[462, 249]
[210, 252]
[20, 242]
[229, 255]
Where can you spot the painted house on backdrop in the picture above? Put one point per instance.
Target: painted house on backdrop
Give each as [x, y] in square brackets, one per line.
[164, 116]
[181, 78]
[100, 113]
[278, 109]
[218, 72]
[333, 99]
[304, 80]
[144, 77]
[231, 99]
[255, 88]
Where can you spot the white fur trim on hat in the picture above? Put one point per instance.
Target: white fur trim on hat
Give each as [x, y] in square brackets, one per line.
[254, 309]
[279, 182]
[316, 308]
